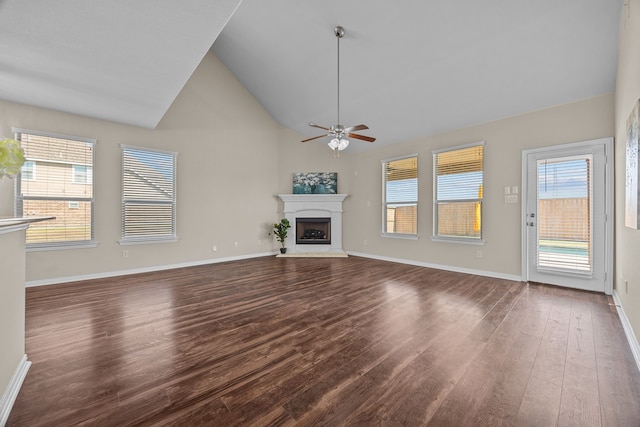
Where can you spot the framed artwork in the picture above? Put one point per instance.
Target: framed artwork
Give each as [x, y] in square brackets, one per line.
[631, 209]
[315, 183]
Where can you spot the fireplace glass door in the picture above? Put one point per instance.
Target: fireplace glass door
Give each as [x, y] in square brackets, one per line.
[313, 231]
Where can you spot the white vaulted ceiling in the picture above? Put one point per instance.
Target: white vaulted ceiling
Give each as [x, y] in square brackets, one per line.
[408, 69]
[416, 67]
[119, 60]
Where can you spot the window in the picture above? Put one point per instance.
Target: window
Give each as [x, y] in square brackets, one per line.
[565, 218]
[56, 190]
[81, 174]
[148, 195]
[400, 195]
[457, 193]
[28, 171]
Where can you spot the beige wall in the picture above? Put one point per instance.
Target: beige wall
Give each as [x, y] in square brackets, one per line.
[504, 142]
[313, 156]
[12, 265]
[227, 177]
[627, 93]
[232, 153]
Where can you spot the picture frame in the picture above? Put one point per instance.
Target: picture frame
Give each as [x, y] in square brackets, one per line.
[315, 183]
[632, 208]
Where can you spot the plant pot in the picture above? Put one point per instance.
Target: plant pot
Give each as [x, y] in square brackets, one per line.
[283, 250]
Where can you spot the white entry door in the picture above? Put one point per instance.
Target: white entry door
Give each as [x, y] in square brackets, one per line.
[565, 231]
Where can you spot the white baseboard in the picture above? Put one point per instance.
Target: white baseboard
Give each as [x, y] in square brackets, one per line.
[513, 277]
[11, 392]
[628, 329]
[106, 274]
[103, 275]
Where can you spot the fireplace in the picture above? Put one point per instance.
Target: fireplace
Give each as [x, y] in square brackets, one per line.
[321, 216]
[313, 231]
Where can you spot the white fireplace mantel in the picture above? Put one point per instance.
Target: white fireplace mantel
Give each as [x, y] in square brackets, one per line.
[314, 206]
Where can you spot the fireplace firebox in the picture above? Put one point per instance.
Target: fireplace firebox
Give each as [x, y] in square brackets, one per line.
[313, 231]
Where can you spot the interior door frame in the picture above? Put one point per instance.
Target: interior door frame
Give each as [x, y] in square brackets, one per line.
[608, 203]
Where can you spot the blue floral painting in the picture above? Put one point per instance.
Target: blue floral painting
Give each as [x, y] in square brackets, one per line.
[315, 183]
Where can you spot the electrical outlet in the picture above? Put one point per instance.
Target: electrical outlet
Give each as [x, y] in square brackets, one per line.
[125, 254]
[236, 244]
[511, 198]
[214, 248]
[365, 242]
[478, 254]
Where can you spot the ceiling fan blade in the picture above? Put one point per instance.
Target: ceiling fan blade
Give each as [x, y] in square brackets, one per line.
[362, 137]
[311, 139]
[318, 126]
[355, 128]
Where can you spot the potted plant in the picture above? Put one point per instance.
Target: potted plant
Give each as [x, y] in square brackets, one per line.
[11, 158]
[280, 230]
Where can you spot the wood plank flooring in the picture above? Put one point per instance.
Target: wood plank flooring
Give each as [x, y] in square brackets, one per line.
[323, 341]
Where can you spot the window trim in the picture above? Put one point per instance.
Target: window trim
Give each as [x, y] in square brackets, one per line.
[384, 233]
[140, 240]
[464, 240]
[55, 135]
[69, 244]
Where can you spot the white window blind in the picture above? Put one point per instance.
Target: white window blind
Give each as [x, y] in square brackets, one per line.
[564, 214]
[53, 189]
[400, 188]
[458, 188]
[148, 194]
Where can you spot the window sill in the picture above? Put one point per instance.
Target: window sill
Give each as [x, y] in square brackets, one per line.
[400, 236]
[479, 242]
[146, 240]
[63, 247]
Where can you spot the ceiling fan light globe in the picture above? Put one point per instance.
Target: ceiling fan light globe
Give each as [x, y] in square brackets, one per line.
[334, 143]
[344, 143]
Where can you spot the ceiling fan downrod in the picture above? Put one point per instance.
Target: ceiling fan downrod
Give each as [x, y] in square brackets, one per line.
[339, 32]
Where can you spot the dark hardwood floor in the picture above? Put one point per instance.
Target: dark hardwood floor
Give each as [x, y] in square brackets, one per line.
[323, 341]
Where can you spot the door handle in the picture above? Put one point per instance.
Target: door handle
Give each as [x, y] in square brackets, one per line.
[531, 215]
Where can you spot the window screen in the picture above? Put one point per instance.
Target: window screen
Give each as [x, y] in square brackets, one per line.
[458, 180]
[148, 194]
[400, 188]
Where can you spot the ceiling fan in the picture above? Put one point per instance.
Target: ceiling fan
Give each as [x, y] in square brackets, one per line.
[338, 133]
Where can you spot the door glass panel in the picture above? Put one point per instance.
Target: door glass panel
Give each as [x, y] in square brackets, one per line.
[564, 239]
